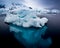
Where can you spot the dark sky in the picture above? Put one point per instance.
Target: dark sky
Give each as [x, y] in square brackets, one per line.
[46, 3]
[51, 3]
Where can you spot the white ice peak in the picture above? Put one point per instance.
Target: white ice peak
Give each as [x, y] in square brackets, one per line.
[25, 17]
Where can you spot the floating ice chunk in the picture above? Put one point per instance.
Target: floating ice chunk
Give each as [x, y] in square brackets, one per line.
[43, 21]
[25, 18]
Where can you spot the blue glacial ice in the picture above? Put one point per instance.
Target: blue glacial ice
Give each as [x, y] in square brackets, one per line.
[28, 27]
[31, 36]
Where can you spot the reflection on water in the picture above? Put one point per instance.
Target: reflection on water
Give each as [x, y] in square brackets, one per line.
[31, 36]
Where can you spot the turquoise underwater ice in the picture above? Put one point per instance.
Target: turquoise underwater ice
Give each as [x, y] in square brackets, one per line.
[31, 36]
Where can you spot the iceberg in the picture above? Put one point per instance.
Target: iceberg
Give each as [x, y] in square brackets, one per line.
[28, 28]
[25, 18]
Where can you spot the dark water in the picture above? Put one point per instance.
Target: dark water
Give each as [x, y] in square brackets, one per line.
[53, 31]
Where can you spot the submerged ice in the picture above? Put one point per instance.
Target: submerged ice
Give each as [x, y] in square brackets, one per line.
[31, 36]
[28, 28]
